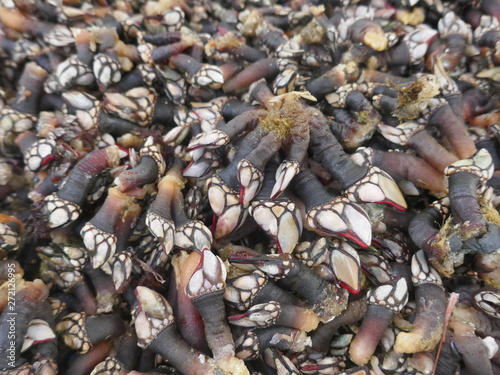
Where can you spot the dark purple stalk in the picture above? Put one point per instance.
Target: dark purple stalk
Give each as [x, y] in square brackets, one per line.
[183, 357]
[328, 152]
[85, 173]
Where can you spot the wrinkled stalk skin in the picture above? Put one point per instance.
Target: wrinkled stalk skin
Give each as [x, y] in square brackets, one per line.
[217, 331]
[272, 292]
[429, 318]
[310, 189]
[144, 173]
[431, 151]
[116, 126]
[322, 337]
[375, 321]
[454, 131]
[31, 85]
[456, 103]
[87, 297]
[25, 311]
[424, 232]
[327, 150]
[84, 363]
[188, 318]
[185, 63]
[312, 287]
[299, 318]
[473, 352]
[85, 174]
[47, 349]
[129, 352]
[174, 349]
[265, 68]
[402, 166]
[464, 204]
[102, 327]
[449, 359]
[110, 212]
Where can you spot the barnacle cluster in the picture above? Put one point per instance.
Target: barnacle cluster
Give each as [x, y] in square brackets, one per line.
[236, 187]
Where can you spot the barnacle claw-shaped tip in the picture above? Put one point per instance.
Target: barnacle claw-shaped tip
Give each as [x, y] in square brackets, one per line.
[417, 42]
[247, 346]
[241, 290]
[72, 330]
[60, 211]
[203, 160]
[276, 266]
[45, 366]
[392, 134]
[163, 229]
[153, 314]
[100, 244]
[67, 279]
[74, 72]
[320, 365]
[250, 179]
[480, 165]
[262, 315]
[450, 24]
[285, 81]
[9, 239]
[447, 84]
[38, 331]
[289, 50]
[57, 259]
[484, 162]
[340, 217]
[121, 271]
[209, 75]
[225, 203]
[212, 139]
[111, 366]
[59, 36]
[40, 154]
[280, 221]
[287, 170]
[153, 304]
[196, 170]
[346, 266]
[422, 272]
[394, 296]
[489, 302]
[377, 187]
[312, 253]
[399, 134]
[493, 74]
[106, 69]
[194, 235]
[209, 277]
[176, 135]
[281, 362]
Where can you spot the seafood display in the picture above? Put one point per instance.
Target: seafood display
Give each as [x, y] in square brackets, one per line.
[249, 187]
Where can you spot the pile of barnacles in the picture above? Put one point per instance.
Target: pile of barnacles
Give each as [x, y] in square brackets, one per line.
[249, 187]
